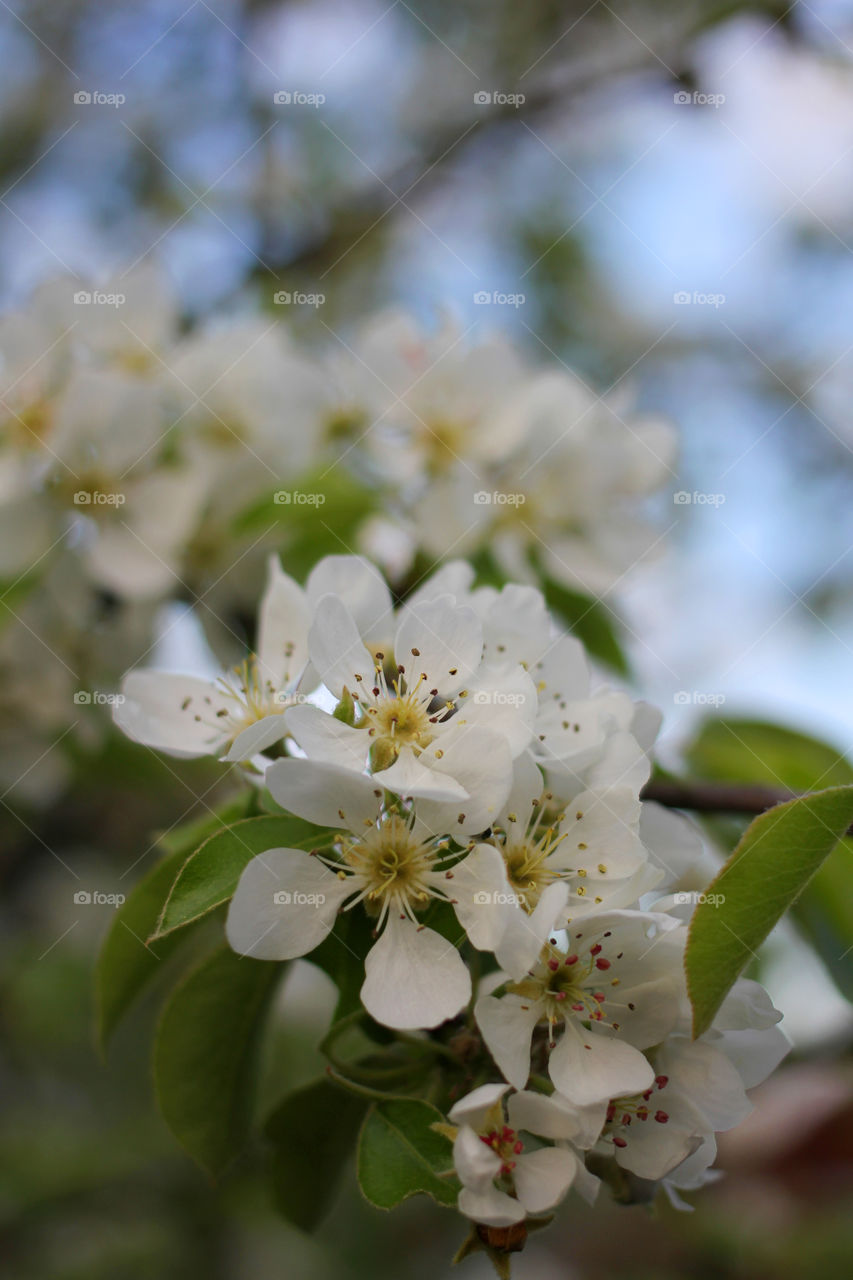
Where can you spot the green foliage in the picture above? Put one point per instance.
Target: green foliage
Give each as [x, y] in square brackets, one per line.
[209, 876]
[779, 853]
[313, 1132]
[743, 750]
[127, 961]
[204, 1054]
[400, 1154]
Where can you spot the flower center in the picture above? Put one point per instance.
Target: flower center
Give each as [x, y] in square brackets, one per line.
[506, 1144]
[571, 985]
[395, 869]
[397, 714]
[622, 1112]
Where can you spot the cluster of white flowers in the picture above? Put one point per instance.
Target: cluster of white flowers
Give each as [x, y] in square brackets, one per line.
[453, 750]
[143, 460]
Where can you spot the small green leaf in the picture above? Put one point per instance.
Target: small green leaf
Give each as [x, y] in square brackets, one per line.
[127, 962]
[209, 876]
[313, 1132]
[204, 1054]
[778, 855]
[742, 750]
[400, 1154]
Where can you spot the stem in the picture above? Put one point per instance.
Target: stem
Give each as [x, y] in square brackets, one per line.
[703, 796]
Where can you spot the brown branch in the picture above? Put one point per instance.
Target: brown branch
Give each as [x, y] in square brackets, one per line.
[703, 796]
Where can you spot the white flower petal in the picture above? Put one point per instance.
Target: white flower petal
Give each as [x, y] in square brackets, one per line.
[410, 776]
[326, 794]
[476, 1164]
[414, 978]
[524, 935]
[173, 713]
[492, 1207]
[474, 1108]
[587, 1067]
[283, 621]
[336, 647]
[503, 700]
[325, 739]
[257, 737]
[284, 906]
[480, 762]
[481, 896]
[556, 1118]
[363, 590]
[442, 640]
[507, 1027]
[543, 1177]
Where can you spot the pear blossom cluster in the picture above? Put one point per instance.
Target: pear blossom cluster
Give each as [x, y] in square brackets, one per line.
[476, 792]
[148, 457]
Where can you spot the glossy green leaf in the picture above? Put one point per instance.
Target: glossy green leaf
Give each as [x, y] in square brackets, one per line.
[127, 961]
[209, 876]
[204, 1054]
[779, 853]
[313, 1132]
[400, 1154]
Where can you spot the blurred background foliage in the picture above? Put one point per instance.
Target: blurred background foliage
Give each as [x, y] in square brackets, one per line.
[600, 198]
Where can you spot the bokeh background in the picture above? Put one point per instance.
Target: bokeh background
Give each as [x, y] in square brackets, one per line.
[659, 195]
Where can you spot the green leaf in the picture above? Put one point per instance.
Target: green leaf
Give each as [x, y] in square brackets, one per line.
[779, 853]
[187, 837]
[741, 750]
[204, 1054]
[313, 1132]
[341, 955]
[209, 876]
[400, 1154]
[590, 620]
[127, 962]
